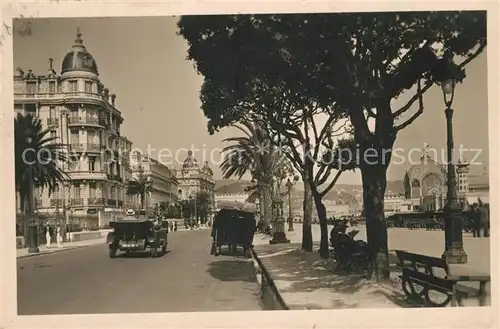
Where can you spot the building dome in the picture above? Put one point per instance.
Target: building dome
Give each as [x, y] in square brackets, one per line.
[79, 59]
[190, 162]
[425, 166]
[207, 169]
[424, 178]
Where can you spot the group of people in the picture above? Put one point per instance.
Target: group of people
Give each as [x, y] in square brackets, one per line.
[49, 232]
[130, 214]
[480, 219]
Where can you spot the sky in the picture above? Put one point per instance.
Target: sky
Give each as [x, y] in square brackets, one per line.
[143, 61]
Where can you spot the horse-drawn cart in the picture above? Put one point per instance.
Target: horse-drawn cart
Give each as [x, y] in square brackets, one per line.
[234, 228]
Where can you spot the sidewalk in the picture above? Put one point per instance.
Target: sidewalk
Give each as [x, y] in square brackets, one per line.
[305, 281]
[22, 253]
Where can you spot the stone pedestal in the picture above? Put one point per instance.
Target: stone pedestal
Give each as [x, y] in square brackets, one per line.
[279, 235]
[454, 252]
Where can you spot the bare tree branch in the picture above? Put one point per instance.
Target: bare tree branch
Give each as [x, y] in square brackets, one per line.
[332, 184]
[412, 100]
[419, 111]
[474, 55]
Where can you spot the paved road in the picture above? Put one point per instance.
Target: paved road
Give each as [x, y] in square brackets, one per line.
[86, 280]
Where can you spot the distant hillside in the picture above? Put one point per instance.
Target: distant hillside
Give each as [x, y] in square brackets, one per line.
[231, 185]
[347, 191]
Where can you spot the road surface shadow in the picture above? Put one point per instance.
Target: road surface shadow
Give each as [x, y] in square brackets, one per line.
[236, 269]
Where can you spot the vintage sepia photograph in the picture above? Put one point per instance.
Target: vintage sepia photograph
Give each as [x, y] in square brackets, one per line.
[250, 162]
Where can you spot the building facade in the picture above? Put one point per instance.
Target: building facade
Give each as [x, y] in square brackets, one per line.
[194, 179]
[82, 116]
[165, 186]
[425, 186]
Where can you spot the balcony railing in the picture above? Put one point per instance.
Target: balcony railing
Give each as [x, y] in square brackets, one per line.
[85, 147]
[57, 203]
[87, 119]
[95, 201]
[76, 202]
[53, 122]
[85, 175]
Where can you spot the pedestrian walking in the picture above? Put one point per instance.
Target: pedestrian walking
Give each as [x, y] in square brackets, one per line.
[476, 221]
[48, 235]
[484, 218]
[175, 226]
[59, 238]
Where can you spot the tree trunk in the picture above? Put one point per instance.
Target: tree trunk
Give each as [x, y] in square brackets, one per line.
[307, 239]
[266, 188]
[320, 207]
[261, 206]
[374, 185]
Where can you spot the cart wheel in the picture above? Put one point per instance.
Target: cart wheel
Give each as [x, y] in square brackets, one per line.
[212, 249]
[112, 252]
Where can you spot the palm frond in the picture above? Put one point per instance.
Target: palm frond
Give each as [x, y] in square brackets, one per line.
[37, 159]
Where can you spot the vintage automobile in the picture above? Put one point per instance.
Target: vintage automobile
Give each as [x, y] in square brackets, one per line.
[138, 235]
[233, 227]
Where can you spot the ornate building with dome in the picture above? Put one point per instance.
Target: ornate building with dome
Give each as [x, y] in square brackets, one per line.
[194, 179]
[82, 115]
[425, 186]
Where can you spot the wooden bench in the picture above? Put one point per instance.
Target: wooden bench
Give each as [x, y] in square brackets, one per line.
[419, 271]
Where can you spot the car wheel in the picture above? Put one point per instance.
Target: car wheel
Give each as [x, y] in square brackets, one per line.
[112, 252]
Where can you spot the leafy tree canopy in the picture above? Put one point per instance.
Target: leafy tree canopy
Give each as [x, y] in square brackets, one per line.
[348, 59]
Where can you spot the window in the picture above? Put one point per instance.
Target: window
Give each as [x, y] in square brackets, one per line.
[30, 109]
[31, 87]
[52, 87]
[73, 86]
[92, 190]
[76, 191]
[52, 112]
[88, 87]
[74, 137]
[53, 137]
[92, 164]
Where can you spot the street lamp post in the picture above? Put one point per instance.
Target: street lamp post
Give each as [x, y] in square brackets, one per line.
[289, 186]
[279, 235]
[453, 221]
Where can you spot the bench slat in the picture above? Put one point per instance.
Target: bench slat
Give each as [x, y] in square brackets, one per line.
[405, 256]
[436, 282]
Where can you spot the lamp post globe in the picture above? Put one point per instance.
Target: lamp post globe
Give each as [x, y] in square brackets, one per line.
[453, 218]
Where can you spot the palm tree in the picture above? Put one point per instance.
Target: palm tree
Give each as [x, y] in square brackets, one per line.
[253, 153]
[38, 161]
[140, 186]
[202, 204]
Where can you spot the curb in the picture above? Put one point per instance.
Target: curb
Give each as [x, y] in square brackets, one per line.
[52, 252]
[267, 286]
